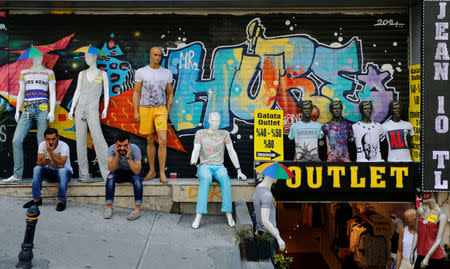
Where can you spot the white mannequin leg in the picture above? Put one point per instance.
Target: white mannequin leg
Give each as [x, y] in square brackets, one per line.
[196, 223]
[230, 219]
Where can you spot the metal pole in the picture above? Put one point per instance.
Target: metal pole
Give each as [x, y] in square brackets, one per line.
[26, 254]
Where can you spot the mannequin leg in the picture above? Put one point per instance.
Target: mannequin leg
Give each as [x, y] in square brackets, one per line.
[41, 124]
[196, 223]
[221, 175]
[101, 148]
[205, 176]
[81, 136]
[22, 129]
[230, 219]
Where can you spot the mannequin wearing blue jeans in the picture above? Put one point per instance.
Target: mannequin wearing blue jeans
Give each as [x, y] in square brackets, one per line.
[206, 172]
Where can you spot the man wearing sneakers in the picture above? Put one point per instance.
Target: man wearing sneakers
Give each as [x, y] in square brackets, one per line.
[152, 100]
[53, 164]
[124, 164]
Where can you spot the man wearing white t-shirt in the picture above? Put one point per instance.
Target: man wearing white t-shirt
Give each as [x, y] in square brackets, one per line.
[152, 100]
[53, 164]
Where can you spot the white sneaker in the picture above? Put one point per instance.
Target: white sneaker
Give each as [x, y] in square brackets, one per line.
[11, 179]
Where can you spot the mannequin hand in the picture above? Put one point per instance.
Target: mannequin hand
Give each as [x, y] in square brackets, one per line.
[71, 115]
[424, 263]
[17, 116]
[411, 258]
[281, 243]
[51, 117]
[240, 175]
[104, 114]
[136, 117]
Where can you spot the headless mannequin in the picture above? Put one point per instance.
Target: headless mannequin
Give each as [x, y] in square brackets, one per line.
[265, 213]
[430, 207]
[87, 114]
[214, 122]
[410, 216]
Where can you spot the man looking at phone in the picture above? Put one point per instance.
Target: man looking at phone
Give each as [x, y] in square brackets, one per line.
[53, 164]
[124, 164]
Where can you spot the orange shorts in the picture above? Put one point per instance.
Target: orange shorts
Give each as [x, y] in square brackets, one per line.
[152, 118]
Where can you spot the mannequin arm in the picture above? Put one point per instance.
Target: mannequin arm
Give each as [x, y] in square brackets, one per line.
[265, 212]
[438, 240]
[400, 248]
[52, 100]
[20, 97]
[169, 96]
[76, 97]
[195, 153]
[136, 100]
[414, 246]
[105, 94]
[235, 161]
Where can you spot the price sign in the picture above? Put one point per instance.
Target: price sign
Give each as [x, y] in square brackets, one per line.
[268, 135]
[381, 226]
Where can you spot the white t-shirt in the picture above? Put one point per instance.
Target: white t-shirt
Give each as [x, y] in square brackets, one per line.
[61, 150]
[36, 83]
[154, 82]
[367, 140]
[306, 137]
[396, 133]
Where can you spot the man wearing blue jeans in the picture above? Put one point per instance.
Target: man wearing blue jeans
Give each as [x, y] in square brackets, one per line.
[124, 164]
[53, 164]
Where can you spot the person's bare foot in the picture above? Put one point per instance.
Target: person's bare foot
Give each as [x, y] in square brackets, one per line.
[163, 178]
[150, 175]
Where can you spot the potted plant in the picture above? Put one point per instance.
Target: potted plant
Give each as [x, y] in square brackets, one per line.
[264, 246]
[249, 243]
[282, 262]
[447, 259]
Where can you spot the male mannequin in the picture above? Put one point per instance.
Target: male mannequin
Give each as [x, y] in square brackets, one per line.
[265, 211]
[398, 134]
[86, 99]
[430, 231]
[337, 132]
[405, 240]
[209, 145]
[306, 134]
[37, 91]
[367, 135]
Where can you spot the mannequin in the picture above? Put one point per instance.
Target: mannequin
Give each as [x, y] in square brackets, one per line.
[367, 135]
[209, 145]
[399, 134]
[37, 93]
[405, 240]
[337, 132]
[265, 211]
[306, 134]
[86, 99]
[431, 224]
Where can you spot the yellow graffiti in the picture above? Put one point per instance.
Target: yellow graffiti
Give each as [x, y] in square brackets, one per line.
[113, 102]
[214, 192]
[113, 116]
[123, 110]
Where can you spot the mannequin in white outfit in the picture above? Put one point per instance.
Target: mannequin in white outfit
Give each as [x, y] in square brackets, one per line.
[86, 99]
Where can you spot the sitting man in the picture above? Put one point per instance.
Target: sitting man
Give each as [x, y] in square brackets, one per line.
[124, 164]
[53, 164]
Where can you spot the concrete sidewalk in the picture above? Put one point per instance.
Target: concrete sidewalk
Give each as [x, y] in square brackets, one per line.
[79, 237]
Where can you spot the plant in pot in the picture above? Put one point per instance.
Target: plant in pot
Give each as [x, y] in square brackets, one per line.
[250, 244]
[447, 259]
[264, 241]
[282, 262]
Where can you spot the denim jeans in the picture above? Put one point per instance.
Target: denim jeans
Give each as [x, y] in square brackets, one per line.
[206, 172]
[30, 113]
[61, 175]
[120, 176]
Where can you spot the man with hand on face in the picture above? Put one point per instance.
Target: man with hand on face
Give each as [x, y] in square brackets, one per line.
[124, 164]
[53, 163]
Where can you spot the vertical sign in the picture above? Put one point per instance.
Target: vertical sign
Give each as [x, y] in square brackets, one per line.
[414, 109]
[268, 135]
[436, 96]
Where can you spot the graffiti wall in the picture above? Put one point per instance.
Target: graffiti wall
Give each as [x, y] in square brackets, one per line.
[220, 63]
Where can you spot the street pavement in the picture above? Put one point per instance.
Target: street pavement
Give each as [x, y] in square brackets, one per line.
[80, 237]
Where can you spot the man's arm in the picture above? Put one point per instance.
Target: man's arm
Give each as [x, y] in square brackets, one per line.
[136, 99]
[112, 163]
[135, 166]
[41, 160]
[59, 161]
[169, 96]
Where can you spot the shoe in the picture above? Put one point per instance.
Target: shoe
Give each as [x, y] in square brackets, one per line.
[11, 179]
[108, 213]
[133, 215]
[31, 203]
[61, 206]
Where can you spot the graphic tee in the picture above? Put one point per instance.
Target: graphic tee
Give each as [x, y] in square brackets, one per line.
[154, 82]
[396, 133]
[263, 198]
[123, 163]
[212, 145]
[367, 139]
[61, 150]
[306, 136]
[336, 135]
[36, 83]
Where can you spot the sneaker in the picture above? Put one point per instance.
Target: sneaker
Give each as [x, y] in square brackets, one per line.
[31, 203]
[11, 179]
[61, 206]
[108, 213]
[133, 215]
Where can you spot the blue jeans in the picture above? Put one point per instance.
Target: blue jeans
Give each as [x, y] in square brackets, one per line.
[30, 113]
[206, 172]
[120, 176]
[61, 175]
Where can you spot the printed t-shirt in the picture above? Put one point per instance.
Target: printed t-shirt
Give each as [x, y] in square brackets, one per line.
[263, 198]
[306, 136]
[61, 150]
[367, 140]
[396, 133]
[212, 145]
[154, 82]
[36, 83]
[336, 136]
[123, 163]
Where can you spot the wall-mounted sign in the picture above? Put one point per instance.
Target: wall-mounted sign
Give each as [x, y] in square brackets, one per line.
[268, 135]
[414, 115]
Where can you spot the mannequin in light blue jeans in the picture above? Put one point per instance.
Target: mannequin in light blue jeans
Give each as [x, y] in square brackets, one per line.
[206, 173]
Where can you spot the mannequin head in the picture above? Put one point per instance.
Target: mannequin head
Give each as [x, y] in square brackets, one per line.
[91, 59]
[269, 180]
[430, 202]
[306, 108]
[155, 56]
[214, 120]
[396, 109]
[37, 61]
[365, 108]
[336, 109]
[410, 216]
